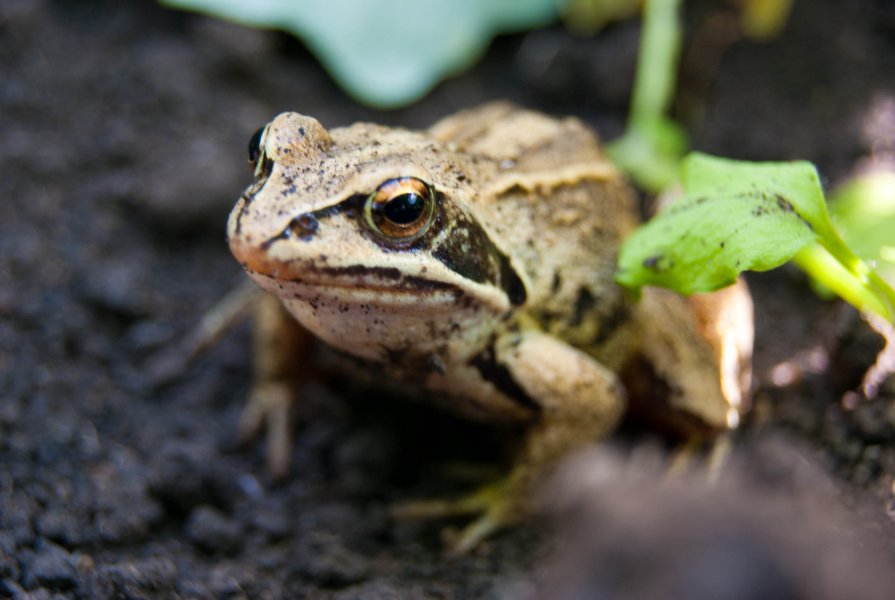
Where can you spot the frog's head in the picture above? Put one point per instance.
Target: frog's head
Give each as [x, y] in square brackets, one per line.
[368, 216]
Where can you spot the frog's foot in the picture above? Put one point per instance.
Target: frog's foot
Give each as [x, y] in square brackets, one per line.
[580, 400]
[496, 506]
[270, 409]
[699, 454]
[282, 357]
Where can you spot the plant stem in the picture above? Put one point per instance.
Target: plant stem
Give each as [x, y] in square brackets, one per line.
[652, 146]
[657, 61]
[865, 291]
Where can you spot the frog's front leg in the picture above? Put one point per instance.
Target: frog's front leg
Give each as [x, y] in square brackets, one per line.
[281, 352]
[579, 400]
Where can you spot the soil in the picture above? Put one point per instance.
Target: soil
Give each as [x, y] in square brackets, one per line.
[123, 145]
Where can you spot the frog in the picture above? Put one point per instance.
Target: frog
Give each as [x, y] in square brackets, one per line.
[472, 265]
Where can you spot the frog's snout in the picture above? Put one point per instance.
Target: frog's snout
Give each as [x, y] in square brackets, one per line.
[253, 258]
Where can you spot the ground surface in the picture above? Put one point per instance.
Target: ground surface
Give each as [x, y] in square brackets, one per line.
[122, 143]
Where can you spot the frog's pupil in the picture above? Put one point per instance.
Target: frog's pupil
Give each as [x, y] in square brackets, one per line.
[255, 145]
[404, 209]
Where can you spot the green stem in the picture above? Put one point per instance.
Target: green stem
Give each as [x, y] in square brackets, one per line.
[847, 276]
[651, 148]
[870, 279]
[657, 61]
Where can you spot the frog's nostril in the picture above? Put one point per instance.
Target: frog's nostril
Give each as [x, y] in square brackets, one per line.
[303, 227]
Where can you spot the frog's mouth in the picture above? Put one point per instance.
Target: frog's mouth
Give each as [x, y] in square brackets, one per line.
[368, 293]
[310, 279]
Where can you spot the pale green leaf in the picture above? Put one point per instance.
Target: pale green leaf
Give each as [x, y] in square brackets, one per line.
[864, 212]
[387, 52]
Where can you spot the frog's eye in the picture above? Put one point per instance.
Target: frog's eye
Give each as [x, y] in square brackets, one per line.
[255, 145]
[260, 164]
[401, 209]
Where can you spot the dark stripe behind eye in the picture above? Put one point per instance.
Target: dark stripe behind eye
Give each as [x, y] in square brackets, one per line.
[469, 252]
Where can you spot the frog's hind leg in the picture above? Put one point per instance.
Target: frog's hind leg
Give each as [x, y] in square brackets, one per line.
[579, 401]
[281, 349]
[692, 371]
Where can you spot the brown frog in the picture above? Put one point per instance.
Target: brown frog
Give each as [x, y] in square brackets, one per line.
[472, 265]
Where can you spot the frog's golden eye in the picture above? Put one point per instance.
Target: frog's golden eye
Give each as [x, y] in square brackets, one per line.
[401, 209]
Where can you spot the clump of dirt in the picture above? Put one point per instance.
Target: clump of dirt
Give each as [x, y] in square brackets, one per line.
[760, 529]
[122, 147]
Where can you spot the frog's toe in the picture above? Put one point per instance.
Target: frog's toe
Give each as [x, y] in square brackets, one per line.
[496, 506]
[474, 533]
[270, 409]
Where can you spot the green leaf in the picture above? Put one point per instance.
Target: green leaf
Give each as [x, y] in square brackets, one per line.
[734, 216]
[387, 52]
[737, 216]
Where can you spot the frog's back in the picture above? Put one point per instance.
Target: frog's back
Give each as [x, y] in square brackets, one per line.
[558, 208]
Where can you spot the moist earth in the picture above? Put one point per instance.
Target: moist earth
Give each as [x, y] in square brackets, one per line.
[123, 145]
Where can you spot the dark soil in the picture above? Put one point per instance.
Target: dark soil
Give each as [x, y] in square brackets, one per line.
[123, 131]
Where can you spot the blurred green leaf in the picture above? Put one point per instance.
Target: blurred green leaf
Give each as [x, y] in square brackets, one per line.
[864, 212]
[387, 52]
